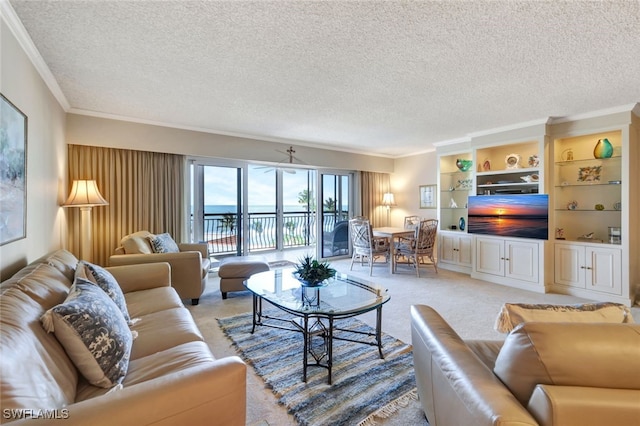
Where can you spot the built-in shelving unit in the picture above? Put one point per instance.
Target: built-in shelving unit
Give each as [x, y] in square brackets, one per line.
[509, 169]
[588, 190]
[593, 233]
[593, 246]
[454, 187]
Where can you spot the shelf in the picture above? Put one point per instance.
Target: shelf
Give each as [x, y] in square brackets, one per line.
[588, 184]
[587, 210]
[493, 185]
[453, 208]
[585, 161]
[457, 172]
[509, 171]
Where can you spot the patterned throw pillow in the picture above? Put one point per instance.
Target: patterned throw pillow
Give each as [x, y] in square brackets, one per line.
[107, 282]
[163, 243]
[93, 332]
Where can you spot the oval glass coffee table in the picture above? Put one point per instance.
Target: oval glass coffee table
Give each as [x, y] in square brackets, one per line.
[313, 311]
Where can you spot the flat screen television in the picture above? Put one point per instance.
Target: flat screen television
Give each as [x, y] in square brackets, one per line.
[523, 216]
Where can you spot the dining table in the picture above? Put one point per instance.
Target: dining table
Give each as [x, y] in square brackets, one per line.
[393, 233]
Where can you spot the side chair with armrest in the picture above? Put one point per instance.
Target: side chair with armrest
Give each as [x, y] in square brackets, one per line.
[365, 246]
[423, 245]
[189, 267]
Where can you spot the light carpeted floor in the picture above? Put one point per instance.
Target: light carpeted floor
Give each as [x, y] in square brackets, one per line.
[469, 305]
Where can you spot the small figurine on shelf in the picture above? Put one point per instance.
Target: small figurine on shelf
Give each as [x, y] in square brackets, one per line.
[559, 234]
[572, 205]
[453, 204]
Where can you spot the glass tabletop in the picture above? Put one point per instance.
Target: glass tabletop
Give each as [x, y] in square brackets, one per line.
[341, 295]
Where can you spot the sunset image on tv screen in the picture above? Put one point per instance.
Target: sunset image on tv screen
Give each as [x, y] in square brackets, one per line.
[524, 216]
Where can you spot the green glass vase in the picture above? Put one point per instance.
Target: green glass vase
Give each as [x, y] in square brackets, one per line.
[603, 149]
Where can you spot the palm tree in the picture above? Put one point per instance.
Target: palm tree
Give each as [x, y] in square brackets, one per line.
[229, 221]
[307, 199]
[330, 205]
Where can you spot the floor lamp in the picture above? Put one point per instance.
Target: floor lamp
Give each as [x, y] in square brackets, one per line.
[85, 194]
[388, 201]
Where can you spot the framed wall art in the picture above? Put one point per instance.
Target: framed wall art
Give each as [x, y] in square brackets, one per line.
[428, 197]
[13, 172]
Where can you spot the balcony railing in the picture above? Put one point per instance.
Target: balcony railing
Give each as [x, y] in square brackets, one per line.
[298, 230]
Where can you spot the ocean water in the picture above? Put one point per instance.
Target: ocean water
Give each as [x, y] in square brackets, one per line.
[524, 227]
[222, 209]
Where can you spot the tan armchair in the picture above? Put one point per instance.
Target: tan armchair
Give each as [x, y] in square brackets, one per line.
[189, 267]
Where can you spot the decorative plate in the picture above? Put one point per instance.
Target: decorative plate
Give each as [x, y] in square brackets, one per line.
[512, 161]
[589, 174]
[465, 184]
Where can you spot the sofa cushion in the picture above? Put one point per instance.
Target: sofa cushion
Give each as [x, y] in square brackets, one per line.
[64, 261]
[35, 370]
[136, 243]
[163, 243]
[569, 354]
[103, 279]
[157, 365]
[162, 330]
[144, 302]
[513, 314]
[93, 332]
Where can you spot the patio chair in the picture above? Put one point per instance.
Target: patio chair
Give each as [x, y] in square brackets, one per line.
[336, 242]
[423, 245]
[365, 246]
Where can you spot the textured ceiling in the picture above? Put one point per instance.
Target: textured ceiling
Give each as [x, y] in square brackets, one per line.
[387, 78]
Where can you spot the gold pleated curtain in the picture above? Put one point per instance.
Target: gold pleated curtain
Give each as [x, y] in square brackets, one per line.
[373, 186]
[145, 191]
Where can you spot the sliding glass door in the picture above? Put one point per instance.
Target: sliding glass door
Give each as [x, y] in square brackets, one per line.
[217, 207]
[336, 198]
[251, 208]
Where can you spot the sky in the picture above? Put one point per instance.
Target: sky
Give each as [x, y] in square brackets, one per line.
[221, 188]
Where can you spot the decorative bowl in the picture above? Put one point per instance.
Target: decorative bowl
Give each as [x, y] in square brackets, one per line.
[463, 165]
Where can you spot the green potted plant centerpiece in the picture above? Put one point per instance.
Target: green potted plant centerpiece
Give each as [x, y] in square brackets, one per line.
[311, 273]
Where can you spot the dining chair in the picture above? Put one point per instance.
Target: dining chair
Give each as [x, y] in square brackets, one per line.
[421, 246]
[365, 246]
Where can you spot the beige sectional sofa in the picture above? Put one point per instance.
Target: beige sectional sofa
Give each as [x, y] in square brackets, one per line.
[544, 373]
[172, 378]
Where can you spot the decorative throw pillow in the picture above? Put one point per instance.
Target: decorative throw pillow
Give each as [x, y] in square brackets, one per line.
[163, 243]
[513, 314]
[107, 282]
[137, 243]
[93, 332]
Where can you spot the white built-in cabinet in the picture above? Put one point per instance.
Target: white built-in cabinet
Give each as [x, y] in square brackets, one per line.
[596, 268]
[595, 221]
[587, 197]
[455, 251]
[513, 262]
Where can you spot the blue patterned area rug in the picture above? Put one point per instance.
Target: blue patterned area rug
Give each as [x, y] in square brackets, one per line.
[364, 387]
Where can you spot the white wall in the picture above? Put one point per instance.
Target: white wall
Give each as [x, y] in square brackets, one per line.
[410, 173]
[46, 156]
[97, 131]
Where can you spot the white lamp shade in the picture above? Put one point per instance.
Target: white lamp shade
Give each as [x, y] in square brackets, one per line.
[388, 199]
[85, 193]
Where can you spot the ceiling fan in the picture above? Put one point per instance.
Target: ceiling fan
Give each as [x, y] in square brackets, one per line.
[289, 153]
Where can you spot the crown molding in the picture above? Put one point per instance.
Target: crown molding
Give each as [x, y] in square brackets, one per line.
[20, 33]
[593, 114]
[509, 127]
